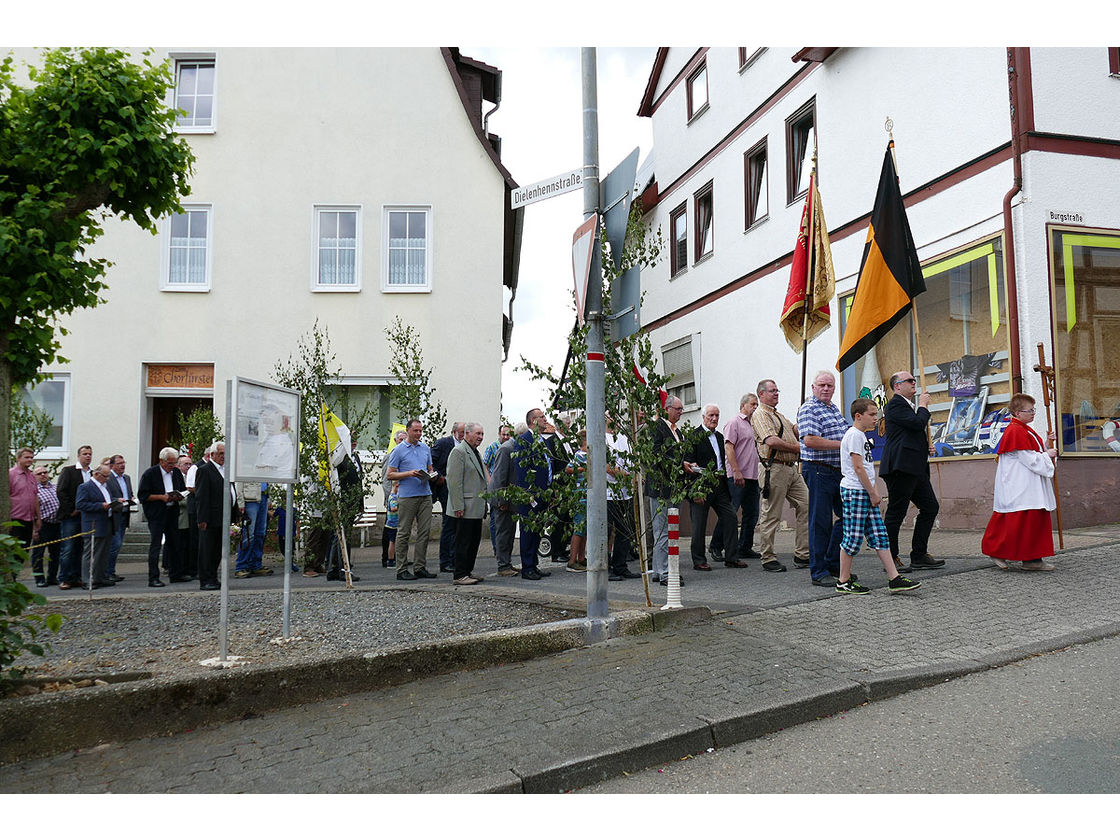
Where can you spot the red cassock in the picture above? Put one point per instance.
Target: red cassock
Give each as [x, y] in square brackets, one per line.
[1020, 528]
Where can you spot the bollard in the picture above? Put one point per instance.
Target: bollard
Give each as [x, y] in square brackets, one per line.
[673, 596]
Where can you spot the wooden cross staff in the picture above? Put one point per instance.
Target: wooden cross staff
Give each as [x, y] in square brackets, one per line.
[1049, 395]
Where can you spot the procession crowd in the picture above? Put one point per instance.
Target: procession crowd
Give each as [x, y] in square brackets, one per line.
[821, 465]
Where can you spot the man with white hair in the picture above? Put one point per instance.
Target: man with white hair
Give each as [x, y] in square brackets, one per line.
[160, 491]
[501, 476]
[709, 456]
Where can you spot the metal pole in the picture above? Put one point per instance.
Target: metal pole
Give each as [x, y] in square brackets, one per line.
[223, 620]
[596, 421]
[288, 565]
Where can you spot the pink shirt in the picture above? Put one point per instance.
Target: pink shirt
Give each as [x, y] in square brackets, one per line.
[24, 490]
[740, 434]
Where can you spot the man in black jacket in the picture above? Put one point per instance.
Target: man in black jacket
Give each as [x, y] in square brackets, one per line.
[70, 518]
[209, 488]
[160, 492]
[440, 450]
[905, 470]
[708, 456]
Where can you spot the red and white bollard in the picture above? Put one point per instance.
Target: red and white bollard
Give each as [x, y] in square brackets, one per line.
[673, 596]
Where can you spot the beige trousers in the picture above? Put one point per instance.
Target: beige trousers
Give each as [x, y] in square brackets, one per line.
[785, 483]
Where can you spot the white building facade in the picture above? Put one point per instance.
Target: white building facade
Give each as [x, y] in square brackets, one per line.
[346, 187]
[1007, 159]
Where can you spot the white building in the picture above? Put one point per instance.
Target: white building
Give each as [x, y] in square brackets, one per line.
[344, 186]
[1008, 161]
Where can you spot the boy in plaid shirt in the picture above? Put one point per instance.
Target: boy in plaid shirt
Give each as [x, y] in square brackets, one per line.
[861, 504]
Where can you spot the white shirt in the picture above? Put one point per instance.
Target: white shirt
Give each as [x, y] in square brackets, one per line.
[854, 443]
[618, 489]
[104, 488]
[168, 486]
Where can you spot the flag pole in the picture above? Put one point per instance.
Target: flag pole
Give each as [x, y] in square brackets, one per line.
[889, 126]
[808, 271]
[1047, 373]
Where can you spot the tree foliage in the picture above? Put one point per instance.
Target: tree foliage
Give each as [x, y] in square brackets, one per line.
[91, 136]
[197, 431]
[18, 632]
[412, 395]
[629, 404]
[313, 370]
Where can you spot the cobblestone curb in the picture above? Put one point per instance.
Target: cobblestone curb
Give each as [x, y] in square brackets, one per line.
[48, 724]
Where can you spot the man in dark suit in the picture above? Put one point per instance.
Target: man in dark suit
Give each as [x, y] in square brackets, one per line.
[210, 488]
[532, 470]
[441, 449]
[708, 457]
[161, 490]
[69, 518]
[504, 527]
[120, 487]
[905, 470]
[96, 505]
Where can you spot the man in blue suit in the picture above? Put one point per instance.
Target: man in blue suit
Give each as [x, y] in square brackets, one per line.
[532, 470]
[95, 504]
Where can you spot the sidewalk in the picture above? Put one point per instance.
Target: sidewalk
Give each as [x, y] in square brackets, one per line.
[784, 653]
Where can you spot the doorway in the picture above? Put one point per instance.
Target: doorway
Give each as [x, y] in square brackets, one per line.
[166, 430]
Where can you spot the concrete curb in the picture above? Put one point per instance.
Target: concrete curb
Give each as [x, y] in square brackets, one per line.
[713, 733]
[48, 724]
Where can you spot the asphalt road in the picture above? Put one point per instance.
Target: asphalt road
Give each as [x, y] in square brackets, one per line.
[1048, 724]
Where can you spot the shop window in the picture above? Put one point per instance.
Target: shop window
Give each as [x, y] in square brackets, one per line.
[1085, 272]
[962, 317]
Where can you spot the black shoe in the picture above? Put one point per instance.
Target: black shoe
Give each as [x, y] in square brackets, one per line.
[715, 556]
[749, 555]
[41, 583]
[155, 583]
[181, 579]
[117, 578]
[736, 564]
[209, 587]
[447, 570]
[926, 562]
[531, 574]
[774, 566]
[665, 581]
[332, 575]
[615, 576]
[830, 582]
[424, 573]
[406, 575]
[99, 584]
[353, 577]
[800, 564]
[626, 574]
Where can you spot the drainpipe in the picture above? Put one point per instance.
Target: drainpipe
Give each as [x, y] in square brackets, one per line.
[1015, 55]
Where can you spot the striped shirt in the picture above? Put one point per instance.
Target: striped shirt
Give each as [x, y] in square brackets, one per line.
[825, 421]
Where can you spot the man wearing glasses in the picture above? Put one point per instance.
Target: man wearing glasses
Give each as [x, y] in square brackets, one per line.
[667, 443]
[905, 469]
[779, 450]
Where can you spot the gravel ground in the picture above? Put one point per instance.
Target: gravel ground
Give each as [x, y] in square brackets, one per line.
[168, 636]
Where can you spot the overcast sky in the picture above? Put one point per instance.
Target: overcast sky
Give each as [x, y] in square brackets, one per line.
[540, 122]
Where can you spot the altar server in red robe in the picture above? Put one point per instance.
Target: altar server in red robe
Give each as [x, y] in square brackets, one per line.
[1019, 530]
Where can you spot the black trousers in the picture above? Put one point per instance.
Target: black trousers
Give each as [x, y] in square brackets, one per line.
[48, 532]
[718, 500]
[172, 551]
[904, 488]
[620, 517]
[209, 553]
[468, 535]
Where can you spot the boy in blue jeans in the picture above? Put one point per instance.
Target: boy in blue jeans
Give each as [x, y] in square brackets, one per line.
[861, 504]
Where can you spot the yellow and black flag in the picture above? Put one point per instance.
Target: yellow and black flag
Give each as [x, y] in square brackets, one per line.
[890, 275]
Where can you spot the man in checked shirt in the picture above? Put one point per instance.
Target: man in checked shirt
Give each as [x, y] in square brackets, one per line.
[50, 530]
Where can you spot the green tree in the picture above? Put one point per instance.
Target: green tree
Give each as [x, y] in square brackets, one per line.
[313, 370]
[412, 395]
[197, 431]
[91, 136]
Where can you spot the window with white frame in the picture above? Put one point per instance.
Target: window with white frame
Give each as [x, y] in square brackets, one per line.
[337, 249]
[678, 245]
[194, 93]
[698, 91]
[755, 184]
[704, 222]
[678, 361]
[187, 256]
[408, 249]
[800, 146]
[748, 55]
[52, 397]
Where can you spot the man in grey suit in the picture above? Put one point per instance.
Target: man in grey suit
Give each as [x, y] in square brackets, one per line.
[96, 507]
[120, 487]
[500, 476]
[466, 481]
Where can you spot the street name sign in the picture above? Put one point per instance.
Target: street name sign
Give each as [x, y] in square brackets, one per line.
[549, 188]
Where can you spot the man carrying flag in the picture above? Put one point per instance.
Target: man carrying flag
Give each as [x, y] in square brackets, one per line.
[890, 277]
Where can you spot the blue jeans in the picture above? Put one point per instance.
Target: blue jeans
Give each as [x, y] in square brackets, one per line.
[70, 560]
[251, 549]
[114, 550]
[746, 498]
[826, 519]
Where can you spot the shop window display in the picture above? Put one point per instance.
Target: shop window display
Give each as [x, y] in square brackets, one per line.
[1085, 273]
[962, 318]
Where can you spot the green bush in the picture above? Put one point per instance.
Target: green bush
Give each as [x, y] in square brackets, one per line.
[18, 631]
